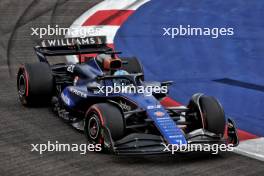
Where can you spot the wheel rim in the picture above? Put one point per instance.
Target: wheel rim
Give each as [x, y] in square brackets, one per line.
[93, 127]
[21, 85]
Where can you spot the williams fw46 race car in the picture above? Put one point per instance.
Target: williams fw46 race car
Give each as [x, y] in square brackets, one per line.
[123, 123]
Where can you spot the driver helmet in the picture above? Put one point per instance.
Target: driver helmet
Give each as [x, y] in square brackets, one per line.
[120, 81]
[121, 72]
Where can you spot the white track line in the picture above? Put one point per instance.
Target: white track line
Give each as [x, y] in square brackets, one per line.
[106, 30]
[110, 5]
[253, 148]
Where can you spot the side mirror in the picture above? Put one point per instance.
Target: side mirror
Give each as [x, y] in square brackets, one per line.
[232, 132]
[93, 86]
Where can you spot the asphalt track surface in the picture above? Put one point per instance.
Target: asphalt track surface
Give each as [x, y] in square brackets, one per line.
[20, 126]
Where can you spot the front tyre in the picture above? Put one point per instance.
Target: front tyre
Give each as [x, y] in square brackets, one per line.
[101, 116]
[206, 112]
[213, 114]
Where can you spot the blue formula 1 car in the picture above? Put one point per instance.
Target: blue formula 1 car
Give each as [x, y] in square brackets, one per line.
[122, 122]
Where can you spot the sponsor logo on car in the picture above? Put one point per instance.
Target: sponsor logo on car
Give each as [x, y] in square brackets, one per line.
[73, 41]
[154, 107]
[66, 99]
[79, 93]
[159, 114]
[125, 106]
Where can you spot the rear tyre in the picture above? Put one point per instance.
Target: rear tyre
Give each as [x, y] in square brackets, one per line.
[98, 117]
[35, 84]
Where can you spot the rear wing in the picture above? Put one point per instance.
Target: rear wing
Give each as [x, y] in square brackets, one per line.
[72, 46]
